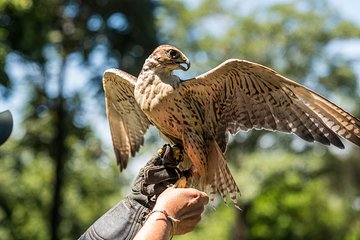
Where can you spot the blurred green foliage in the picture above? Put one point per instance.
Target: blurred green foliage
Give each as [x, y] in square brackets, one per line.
[57, 179]
[298, 201]
[26, 186]
[290, 189]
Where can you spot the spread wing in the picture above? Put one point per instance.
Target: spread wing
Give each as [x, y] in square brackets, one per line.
[128, 123]
[242, 95]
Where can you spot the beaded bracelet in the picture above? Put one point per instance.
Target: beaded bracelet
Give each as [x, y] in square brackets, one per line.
[171, 219]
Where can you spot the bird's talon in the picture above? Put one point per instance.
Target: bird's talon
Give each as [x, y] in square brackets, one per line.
[178, 153]
[181, 183]
[188, 173]
[161, 151]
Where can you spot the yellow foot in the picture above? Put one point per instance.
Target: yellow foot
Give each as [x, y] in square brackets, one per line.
[181, 183]
[161, 151]
[178, 153]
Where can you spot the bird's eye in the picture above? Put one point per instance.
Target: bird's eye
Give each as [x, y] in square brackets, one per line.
[173, 53]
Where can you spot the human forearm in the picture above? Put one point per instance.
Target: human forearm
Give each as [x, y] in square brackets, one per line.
[156, 227]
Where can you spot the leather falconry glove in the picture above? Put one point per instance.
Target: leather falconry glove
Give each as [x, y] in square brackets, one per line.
[125, 219]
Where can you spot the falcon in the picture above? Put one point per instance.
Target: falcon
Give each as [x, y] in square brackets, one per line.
[200, 113]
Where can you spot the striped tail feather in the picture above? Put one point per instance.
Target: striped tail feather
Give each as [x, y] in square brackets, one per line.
[220, 177]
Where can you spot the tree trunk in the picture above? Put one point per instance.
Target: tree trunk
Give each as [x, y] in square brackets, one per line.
[59, 155]
[239, 227]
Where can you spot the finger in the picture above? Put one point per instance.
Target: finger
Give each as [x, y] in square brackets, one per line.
[199, 198]
[159, 174]
[193, 212]
[159, 188]
[204, 198]
[186, 226]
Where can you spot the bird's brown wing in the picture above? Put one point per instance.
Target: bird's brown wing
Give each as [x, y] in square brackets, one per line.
[242, 95]
[128, 123]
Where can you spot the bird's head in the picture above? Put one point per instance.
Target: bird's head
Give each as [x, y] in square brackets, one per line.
[168, 58]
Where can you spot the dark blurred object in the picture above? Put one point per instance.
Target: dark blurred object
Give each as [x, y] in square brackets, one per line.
[6, 125]
[125, 219]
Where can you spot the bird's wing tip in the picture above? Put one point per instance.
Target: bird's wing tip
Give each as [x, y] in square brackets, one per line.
[112, 71]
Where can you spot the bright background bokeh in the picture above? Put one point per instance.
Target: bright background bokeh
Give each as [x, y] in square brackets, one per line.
[58, 171]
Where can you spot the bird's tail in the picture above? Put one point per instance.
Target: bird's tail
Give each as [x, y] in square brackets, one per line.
[220, 177]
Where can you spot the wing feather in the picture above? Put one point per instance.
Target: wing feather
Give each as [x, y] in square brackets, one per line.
[128, 123]
[249, 95]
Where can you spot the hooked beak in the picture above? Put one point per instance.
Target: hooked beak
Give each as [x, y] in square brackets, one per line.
[185, 65]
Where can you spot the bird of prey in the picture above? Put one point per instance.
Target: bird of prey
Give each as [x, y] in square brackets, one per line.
[201, 112]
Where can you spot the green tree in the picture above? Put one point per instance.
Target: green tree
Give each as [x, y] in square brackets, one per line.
[57, 174]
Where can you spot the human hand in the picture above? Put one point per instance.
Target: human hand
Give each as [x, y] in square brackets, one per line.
[184, 204]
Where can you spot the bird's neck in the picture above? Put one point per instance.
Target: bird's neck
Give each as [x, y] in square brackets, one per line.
[152, 87]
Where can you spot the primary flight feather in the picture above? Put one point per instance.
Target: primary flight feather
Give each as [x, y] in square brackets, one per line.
[200, 113]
